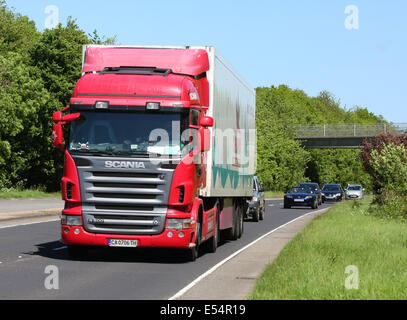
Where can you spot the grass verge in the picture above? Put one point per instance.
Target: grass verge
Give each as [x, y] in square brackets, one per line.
[21, 194]
[314, 264]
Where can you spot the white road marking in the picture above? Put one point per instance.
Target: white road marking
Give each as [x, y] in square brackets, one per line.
[28, 223]
[214, 268]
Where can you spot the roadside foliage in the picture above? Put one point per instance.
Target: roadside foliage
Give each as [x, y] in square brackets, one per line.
[385, 158]
[282, 162]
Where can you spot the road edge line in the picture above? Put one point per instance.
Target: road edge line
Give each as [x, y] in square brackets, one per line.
[26, 224]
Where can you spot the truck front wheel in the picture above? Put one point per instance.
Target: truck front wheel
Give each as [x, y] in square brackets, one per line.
[193, 253]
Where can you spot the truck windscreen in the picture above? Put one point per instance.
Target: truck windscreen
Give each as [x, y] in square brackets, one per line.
[119, 133]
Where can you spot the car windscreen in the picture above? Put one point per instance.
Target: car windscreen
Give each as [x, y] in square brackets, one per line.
[300, 190]
[311, 186]
[331, 188]
[355, 188]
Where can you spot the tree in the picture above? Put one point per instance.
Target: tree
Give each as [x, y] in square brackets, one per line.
[378, 143]
[17, 32]
[22, 97]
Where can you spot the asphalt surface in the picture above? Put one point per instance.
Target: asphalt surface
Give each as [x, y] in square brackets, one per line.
[154, 274]
[17, 205]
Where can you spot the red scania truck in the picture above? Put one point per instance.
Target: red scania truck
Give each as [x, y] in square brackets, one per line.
[160, 149]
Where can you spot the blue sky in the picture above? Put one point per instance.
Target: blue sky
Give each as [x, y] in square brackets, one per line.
[303, 44]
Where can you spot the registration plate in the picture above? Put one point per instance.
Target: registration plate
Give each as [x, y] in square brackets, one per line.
[299, 200]
[126, 243]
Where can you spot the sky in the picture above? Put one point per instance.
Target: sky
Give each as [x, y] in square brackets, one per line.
[355, 49]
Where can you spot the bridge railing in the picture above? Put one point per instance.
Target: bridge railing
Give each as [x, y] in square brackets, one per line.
[349, 130]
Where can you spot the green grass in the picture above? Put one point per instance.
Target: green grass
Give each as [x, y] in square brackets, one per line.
[312, 266]
[21, 194]
[274, 194]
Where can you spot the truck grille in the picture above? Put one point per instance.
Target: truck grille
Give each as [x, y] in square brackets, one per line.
[124, 223]
[124, 201]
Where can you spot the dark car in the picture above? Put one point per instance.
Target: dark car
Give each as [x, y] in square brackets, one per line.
[301, 196]
[315, 187]
[257, 205]
[332, 192]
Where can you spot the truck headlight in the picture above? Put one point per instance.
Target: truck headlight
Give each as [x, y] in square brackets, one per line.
[71, 220]
[178, 224]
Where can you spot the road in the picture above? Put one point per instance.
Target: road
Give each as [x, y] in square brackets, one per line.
[17, 205]
[153, 274]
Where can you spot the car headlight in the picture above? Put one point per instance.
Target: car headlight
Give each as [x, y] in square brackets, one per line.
[69, 220]
[308, 197]
[338, 195]
[289, 197]
[178, 224]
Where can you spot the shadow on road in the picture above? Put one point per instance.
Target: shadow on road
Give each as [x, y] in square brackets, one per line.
[57, 251]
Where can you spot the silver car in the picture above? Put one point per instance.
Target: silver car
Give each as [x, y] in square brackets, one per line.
[354, 191]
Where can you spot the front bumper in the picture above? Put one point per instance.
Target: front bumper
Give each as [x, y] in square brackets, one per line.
[331, 198]
[353, 196]
[82, 237]
[253, 205]
[305, 203]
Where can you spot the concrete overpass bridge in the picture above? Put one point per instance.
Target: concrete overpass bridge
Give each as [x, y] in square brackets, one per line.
[344, 136]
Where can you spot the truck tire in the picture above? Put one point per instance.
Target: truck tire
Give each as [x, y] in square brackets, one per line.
[234, 231]
[240, 222]
[194, 252]
[77, 252]
[213, 242]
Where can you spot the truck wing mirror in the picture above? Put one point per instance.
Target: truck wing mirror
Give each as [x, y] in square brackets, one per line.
[58, 136]
[57, 116]
[57, 131]
[206, 122]
[71, 117]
